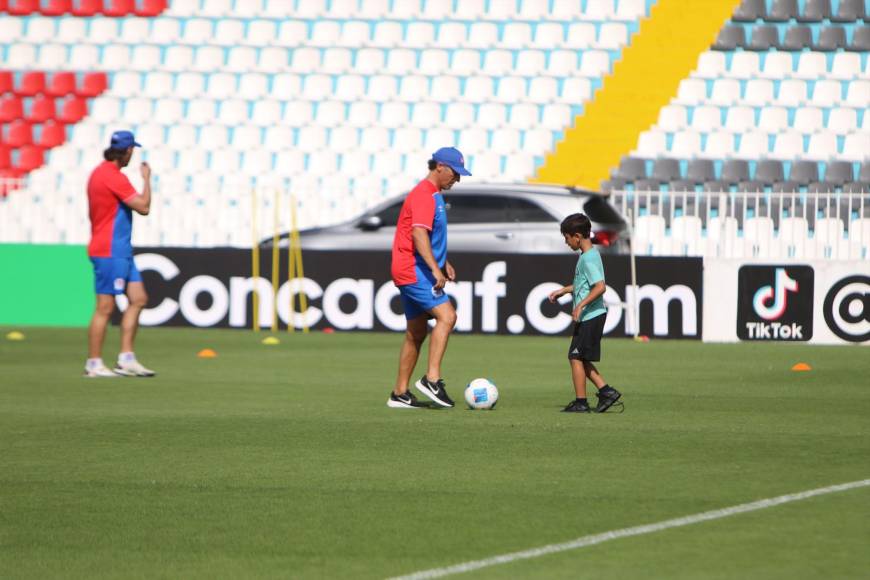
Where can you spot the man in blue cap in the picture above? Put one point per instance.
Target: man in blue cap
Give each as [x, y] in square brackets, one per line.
[420, 270]
[111, 202]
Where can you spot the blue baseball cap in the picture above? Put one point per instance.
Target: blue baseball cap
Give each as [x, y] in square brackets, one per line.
[123, 140]
[452, 157]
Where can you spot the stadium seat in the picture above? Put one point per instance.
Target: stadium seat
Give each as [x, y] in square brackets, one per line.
[693, 92]
[665, 170]
[792, 93]
[706, 118]
[808, 120]
[777, 65]
[749, 11]
[31, 83]
[740, 119]
[759, 92]
[831, 38]
[826, 93]
[845, 66]
[672, 118]
[764, 38]
[686, 144]
[92, 84]
[856, 146]
[838, 172]
[849, 11]
[860, 39]
[581, 36]
[797, 38]
[631, 169]
[11, 109]
[744, 65]
[73, 110]
[652, 144]
[811, 65]
[822, 146]
[815, 11]
[150, 8]
[858, 94]
[758, 236]
[17, 134]
[30, 157]
[788, 145]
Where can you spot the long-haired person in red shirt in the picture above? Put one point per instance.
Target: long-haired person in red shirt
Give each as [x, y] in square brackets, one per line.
[112, 199]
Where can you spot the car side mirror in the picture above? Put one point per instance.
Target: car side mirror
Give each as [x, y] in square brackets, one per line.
[370, 223]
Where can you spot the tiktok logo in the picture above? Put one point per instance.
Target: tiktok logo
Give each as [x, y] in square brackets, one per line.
[775, 302]
[770, 302]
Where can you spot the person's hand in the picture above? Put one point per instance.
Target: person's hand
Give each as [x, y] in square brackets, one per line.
[451, 273]
[576, 314]
[145, 170]
[555, 294]
[440, 280]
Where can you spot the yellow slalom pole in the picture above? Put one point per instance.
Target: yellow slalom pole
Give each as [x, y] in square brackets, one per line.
[291, 272]
[275, 264]
[300, 272]
[255, 263]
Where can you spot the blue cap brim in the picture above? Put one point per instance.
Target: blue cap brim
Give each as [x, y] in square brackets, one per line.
[136, 144]
[460, 170]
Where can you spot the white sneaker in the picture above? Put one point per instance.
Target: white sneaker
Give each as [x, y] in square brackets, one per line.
[100, 371]
[133, 368]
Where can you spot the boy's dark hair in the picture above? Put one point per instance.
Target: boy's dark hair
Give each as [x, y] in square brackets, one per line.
[577, 223]
[114, 154]
[432, 164]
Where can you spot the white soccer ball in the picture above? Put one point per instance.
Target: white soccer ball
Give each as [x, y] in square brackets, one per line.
[481, 394]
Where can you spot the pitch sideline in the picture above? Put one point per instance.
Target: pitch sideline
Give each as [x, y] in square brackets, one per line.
[594, 539]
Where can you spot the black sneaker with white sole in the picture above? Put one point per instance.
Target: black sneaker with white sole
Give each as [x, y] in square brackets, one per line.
[435, 391]
[404, 401]
[607, 397]
[576, 406]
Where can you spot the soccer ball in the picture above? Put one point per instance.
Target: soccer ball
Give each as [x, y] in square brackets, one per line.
[481, 394]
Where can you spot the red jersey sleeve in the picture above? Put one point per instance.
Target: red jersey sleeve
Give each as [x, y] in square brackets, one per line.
[422, 210]
[121, 187]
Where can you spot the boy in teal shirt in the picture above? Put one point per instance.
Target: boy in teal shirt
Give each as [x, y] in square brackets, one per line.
[589, 315]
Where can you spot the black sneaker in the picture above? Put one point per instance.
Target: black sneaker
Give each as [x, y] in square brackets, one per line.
[404, 401]
[577, 407]
[434, 391]
[606, 398]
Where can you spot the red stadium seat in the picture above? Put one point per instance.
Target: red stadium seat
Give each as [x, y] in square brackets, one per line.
[41, 110]
[55, 7]
[29, 158]
[93, 84]
[117, 8]
[61, 84]
[74, 109]
[18, 134]
[150, 7]
[32, 83]
[53, 134]
[5, 157]
[7, 81]
[22, 7]
[11, 109]
[86, 7]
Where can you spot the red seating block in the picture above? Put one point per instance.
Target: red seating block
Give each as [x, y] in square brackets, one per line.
[150, 7]
[55, 7]
[61, 84]
[117, 8]
[32, 83]
[30, 157]
[93, 84]
[11, 109]
[41, 110]
[7, 82]
[73, 110]
[18, 134]
[53, 134]
[86, 7]
[22, 7]
[5, 157]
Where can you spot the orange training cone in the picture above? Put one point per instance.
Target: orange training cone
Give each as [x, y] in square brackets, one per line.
[801, 367]
[206, 353]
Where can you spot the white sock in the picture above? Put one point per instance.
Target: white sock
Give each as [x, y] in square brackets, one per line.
[126, 357]
[93, 363]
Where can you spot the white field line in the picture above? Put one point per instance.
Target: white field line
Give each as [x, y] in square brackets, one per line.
[627, 532]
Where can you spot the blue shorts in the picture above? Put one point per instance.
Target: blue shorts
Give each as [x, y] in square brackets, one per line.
[111, 275]
[420, 297]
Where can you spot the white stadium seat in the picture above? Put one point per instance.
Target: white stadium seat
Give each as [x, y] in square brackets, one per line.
[773, 119]
[808, 120]
[740, 119]
[706, 118]
[672, 118]
[822, 146]
[711, 65]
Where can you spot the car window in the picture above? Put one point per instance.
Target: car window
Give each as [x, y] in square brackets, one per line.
[523, 210]
[390, 215]
[600, 211]
[477, 209]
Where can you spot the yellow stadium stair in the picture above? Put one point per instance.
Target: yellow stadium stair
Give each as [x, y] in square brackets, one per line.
[662, 53]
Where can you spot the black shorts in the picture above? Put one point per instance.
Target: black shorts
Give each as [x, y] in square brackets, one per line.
[586, 342]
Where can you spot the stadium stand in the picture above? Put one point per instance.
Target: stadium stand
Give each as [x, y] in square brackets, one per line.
[296, 95]
[777, 107]
[340, 102]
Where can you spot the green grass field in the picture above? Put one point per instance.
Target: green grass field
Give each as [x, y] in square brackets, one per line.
[284, 461]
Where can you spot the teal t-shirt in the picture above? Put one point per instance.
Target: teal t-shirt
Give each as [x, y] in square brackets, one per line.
[589, 271]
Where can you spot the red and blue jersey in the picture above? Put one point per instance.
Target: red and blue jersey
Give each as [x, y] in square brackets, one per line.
[111, 218]
[424, 207]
